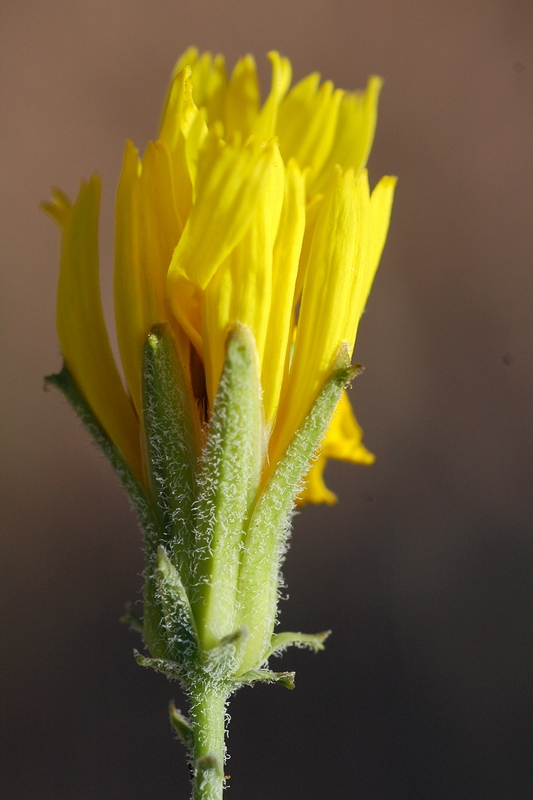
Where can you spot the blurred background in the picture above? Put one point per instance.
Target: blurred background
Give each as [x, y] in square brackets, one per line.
[424, 570]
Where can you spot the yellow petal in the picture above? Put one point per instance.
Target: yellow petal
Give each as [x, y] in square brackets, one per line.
[311, 216]
[326, 300]
[307, 123]
[380, 211]
[208, 79]
[242, 98]
[193, 145]
[241, 289]
[184, 62]
[182, 130]
[266, 123]
[359, 281]
[147, 231]
[59, 208]
[129, 283]
[80, 322]
[228, 186]
[284, 274]
[354, 134]
[187, 59]
[180, 109]
[161, 229]
[295, 108]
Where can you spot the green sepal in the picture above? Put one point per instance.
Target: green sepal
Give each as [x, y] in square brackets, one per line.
[180, 629]
[65, 383]
[131, 619]
[285, 679]
[166, 667]
[182, 726]
[154, 630]
[172, 435]
[265, 543]
[222, 660]
[228, 483]
[314, 641]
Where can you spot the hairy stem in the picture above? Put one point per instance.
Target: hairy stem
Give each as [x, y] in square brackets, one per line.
[208, 712]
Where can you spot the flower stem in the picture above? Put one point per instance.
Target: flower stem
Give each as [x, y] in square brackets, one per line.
[208, 712]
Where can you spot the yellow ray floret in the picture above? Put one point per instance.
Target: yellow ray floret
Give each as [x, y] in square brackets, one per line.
[241, 289]
[80, 322]
[332, 288]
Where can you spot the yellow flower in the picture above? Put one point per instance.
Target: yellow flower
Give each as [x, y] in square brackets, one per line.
[239, 212]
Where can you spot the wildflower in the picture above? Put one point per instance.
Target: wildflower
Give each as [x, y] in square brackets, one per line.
[236, 213]
[246, 243]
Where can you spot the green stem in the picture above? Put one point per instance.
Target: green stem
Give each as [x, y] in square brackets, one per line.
[208, 712]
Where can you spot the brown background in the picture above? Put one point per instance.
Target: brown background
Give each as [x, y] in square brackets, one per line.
[425, 568]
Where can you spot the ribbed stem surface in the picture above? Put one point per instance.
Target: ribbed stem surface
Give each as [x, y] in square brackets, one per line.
[208, 712]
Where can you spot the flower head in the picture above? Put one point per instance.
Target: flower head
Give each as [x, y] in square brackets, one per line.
[240, 212]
